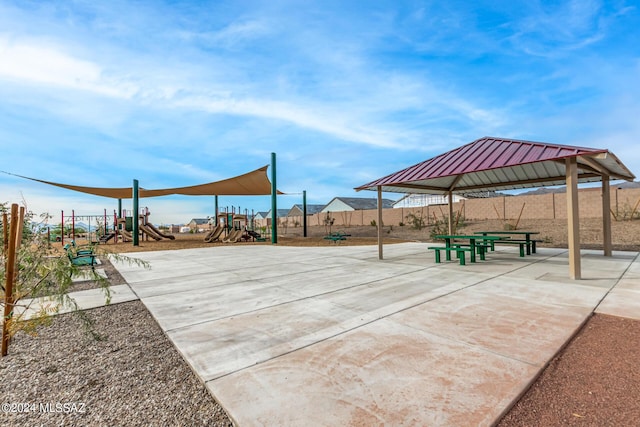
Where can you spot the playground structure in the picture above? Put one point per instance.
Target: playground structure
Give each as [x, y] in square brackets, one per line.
[68, 227]
[252, 183]
[124, 227]
[118, 228]
[232, 227]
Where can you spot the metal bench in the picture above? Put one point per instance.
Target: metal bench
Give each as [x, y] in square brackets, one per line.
[522, 243]
[457, 248]
[337, 237]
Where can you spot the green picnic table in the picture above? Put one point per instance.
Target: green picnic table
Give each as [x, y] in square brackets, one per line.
[337, 237]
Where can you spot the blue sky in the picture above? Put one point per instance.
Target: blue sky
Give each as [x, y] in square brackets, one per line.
[177, 93]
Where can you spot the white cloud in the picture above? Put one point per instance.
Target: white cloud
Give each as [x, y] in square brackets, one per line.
[41, 63]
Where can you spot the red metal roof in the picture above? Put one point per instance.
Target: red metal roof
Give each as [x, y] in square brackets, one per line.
[500, 163]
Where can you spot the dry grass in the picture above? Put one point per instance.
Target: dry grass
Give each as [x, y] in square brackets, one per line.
[625, 236]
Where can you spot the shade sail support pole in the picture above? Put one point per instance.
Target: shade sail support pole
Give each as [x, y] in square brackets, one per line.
[134, 222]
[216, 211]
[274, 204]
[573, 219]
[304, 213]
[380, 254]
[606, 216]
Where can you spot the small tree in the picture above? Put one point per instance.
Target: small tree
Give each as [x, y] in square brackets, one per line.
[328, 222]
[417, 222]
[441, 226]
[32, 272]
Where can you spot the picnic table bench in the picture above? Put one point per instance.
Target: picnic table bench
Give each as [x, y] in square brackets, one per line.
[527, 243]
[479, 244]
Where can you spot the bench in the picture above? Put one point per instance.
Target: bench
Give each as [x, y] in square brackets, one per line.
[457, 248]
[522, 243]
[256, 236]
[533, 244]
[337, 237]
[81, 258]
[481, 248]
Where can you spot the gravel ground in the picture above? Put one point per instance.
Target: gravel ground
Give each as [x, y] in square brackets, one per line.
[134, 376]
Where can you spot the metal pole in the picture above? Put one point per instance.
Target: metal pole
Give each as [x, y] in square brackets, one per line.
[216, 207]
[380, 254]
[136, 238]
[274, 204]
[304, 213]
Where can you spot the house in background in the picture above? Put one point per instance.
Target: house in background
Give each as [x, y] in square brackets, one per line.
[198, 225]
[281, 213]
[341, 204]
[259, 216]
[296, 210]
[420, 200]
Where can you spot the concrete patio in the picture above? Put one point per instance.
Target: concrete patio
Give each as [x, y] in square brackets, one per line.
[333, 336]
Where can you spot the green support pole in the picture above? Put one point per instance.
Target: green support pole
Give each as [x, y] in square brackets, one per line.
[217, 222]
[274, 204]
[304, 213]
[136, 240]
[119, 208]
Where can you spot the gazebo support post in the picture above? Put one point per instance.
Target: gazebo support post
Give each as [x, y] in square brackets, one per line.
[606, 216]
[380, 255]
[573, 224]
[450, 197]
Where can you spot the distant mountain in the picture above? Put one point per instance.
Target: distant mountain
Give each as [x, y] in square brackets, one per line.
[634, 184]
[84, 226]
[545, 190]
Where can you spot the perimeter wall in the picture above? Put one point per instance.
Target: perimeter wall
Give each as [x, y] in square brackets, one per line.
[625, 203]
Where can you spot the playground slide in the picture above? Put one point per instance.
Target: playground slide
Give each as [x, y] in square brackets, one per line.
[214, 234]
[160, 233]
[107, 237]
[126, 236]
[150, 232]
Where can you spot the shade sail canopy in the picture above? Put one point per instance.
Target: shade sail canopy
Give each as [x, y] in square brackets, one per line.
[501, 164]
[255, 183]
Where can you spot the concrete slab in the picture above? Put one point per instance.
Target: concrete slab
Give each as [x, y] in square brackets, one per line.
[380, 374]
[217, 348]
[621, 302]
[86, 275]
[334, 336]
[515, 328]
[87, 299]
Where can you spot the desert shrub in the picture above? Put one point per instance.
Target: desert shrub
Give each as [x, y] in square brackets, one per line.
[417, 222]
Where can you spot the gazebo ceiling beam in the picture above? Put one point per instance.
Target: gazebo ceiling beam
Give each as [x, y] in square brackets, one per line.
[522, 182]
[455, 182]
[418, 187]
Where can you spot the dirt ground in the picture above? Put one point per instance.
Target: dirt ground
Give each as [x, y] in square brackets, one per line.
[625, 236]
